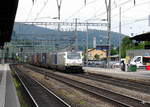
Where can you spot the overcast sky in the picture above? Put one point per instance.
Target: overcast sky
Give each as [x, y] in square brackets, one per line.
[134, 17]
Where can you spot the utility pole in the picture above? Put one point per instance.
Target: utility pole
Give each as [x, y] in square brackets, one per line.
[108, 8]
[120, 20]
[76, 36]
[2, 61]
[59, 2]
[87, 39]
[120, 33]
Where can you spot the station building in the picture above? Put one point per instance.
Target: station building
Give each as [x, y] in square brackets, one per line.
[93, 52]
[138, 39]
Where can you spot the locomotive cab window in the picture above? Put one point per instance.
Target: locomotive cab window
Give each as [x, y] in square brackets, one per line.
[73, 56]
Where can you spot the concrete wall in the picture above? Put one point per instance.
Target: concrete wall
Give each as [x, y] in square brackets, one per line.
[138, 52]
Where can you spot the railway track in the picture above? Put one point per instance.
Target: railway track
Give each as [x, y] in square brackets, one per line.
[117, 82]
[40, 95]
[107, 95]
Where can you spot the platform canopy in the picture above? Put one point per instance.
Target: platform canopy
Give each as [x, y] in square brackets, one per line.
[142, 37]
[7, 16]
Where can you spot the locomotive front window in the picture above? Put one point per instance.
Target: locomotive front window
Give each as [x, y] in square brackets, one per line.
[73, 56]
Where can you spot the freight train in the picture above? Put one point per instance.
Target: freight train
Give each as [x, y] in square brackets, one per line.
[66, 61]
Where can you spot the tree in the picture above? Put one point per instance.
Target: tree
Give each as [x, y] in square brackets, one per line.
[97, 57]
[114, 51]
[127, 44]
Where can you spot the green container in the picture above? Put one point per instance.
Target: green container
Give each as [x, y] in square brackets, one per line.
[132, 68]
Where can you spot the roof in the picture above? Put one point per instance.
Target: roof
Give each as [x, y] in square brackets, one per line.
[142, 37]
[114, 56]
[94, 49]
[7, 16]
[89, 50]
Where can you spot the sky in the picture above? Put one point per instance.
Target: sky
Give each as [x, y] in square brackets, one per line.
[134, 16]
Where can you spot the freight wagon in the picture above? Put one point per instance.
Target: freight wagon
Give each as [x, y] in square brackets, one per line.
[59, 60]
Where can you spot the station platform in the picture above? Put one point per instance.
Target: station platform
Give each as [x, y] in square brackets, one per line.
[139, 75]
[8, 94]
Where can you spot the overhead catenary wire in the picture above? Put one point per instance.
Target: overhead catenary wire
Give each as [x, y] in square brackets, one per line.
[30, 11]
[76, 12]
[87, 3]
[105, 12]
[120, 5]
[41, 10]
[137, 20]
[126, 2]
[127, 10]
[124, 11]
